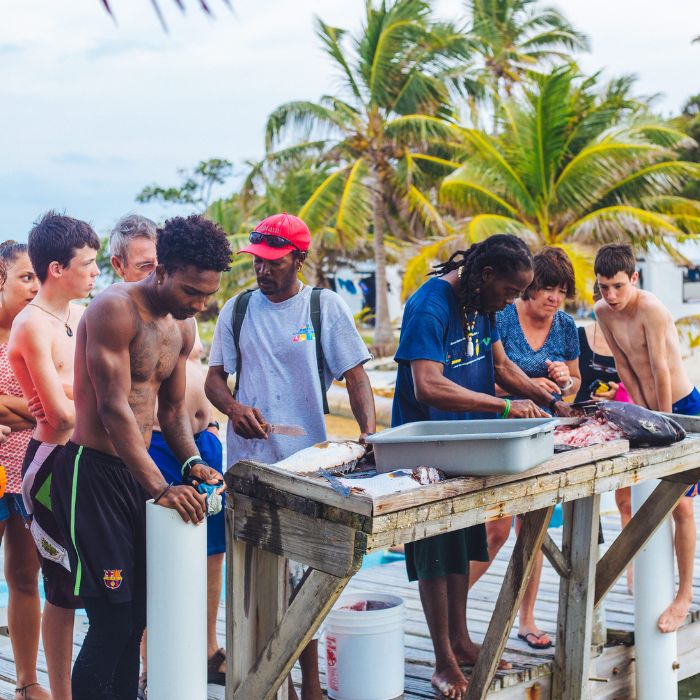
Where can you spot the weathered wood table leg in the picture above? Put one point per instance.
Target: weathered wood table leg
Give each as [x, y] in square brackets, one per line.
[527, 546]
[572, 655]
[258, 580]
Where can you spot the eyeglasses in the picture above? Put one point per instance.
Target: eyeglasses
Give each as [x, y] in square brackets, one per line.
[601, 368]
[271, 240]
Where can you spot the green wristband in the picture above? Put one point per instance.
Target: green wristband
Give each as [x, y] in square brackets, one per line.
[506, 410]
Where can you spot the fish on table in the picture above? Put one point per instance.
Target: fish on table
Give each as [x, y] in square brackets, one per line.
[612, 420]
[332, 456]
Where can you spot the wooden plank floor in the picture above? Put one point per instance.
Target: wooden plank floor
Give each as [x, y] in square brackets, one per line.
[529, 666]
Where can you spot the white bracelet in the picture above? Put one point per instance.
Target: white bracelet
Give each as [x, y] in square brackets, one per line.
[568, 384]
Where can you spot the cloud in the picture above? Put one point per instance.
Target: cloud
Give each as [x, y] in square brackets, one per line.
[111, 49]
[6, 49]
[73, 158]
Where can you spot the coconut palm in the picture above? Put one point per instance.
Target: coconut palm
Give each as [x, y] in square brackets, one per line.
[203, 4]
[574, 168]
[387, 133]
[512, 37]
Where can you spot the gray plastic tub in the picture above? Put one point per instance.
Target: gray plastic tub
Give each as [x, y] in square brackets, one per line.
[466, 447]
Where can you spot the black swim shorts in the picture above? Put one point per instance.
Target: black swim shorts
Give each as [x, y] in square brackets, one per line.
[102, 509]
[37, 476]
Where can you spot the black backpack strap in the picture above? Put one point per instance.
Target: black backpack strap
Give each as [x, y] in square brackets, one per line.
[240, 306]
[316, 323]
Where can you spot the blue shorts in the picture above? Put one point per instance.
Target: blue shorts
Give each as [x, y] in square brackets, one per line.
[211, 450]
[12, 503]
[689, 406]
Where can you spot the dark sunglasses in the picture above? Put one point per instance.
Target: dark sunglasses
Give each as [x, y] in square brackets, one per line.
[601, 368]
[271, 240]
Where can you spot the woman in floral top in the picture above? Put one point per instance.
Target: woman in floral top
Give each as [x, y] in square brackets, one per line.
[21, 560]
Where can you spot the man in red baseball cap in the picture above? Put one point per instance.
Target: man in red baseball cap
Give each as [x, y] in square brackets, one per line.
[278, 235]
[285, 342]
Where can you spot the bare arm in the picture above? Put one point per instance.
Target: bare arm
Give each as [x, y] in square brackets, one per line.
[14, 413]
[361, 400]
[58, 410]
[433, 388]
[511, 378]
[248, 422]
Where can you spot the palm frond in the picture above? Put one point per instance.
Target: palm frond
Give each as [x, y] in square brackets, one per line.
[304, 116]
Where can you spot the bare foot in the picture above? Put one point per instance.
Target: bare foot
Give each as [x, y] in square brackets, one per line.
[467, 653]
[534, 637]
[674, 616]
[630, 581]
[450, 681]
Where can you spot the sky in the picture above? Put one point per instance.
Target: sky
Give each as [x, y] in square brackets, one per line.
[91, 111]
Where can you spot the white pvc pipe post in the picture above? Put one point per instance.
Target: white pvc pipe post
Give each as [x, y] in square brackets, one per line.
[177, 606]
[656, 653]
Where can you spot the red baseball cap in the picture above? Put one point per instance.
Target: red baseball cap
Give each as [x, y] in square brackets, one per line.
[279, 226]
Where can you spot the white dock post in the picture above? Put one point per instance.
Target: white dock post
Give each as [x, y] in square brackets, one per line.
[656, 653]
[177, 606]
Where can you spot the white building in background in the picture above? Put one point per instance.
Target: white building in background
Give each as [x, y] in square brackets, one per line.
[355, 283]
[677, 286]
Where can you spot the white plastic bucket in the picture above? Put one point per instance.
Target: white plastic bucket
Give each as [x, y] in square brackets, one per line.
[365, 649]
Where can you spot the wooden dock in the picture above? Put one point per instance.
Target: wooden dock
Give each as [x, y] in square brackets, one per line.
[530, 677]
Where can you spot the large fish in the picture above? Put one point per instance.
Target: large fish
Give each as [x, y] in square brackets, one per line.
[332, 456]
[613, 419]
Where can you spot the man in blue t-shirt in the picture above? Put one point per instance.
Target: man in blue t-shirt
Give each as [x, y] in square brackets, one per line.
[450, 357]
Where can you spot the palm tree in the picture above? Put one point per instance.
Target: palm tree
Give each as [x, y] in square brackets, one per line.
[513, 37]
[387, 134]
[203, 4]
[572, 168]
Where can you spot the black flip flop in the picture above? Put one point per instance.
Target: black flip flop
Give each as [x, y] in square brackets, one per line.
[213, 674]
[532, 645]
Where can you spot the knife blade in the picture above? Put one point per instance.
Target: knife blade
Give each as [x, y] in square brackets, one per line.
[336, 484]
[289, 430]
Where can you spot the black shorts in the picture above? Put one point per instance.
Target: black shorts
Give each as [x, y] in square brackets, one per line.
[449, 553]
[100, 504]
[37, 473]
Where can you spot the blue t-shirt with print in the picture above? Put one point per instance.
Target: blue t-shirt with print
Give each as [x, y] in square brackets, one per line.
[561, 344]
[432, 330]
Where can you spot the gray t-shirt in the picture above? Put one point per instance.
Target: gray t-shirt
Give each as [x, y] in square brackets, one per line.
[279, 375]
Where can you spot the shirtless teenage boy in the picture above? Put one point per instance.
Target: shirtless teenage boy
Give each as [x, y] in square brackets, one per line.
[132, 245]
[644, 342]
[132, 347]
[41, 349]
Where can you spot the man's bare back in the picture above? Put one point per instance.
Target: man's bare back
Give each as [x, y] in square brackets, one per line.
[644, 341]
[42, 357]
[150, 344]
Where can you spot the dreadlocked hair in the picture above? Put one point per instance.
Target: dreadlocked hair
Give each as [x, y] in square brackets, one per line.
[503, 252]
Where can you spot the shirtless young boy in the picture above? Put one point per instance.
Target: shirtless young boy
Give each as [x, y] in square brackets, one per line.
[41, 349]
[644, 342]
[132, 347]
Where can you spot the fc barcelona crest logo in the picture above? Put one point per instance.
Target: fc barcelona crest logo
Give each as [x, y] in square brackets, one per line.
[112, 578]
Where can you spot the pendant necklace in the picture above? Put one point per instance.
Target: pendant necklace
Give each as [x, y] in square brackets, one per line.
[469, 326]
[69, 330]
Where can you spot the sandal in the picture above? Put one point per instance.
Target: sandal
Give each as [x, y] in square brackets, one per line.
[23, 692]
[142, 692]
[213, 674]
[538, 643]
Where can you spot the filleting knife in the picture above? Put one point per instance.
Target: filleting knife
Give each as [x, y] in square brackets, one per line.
[289, 430]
